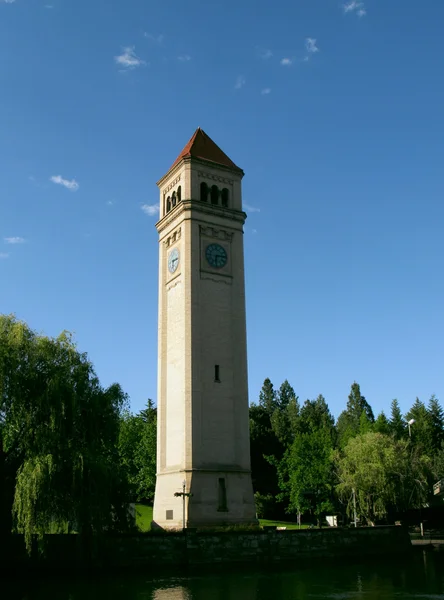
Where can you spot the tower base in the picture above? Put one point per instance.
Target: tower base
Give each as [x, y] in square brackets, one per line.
[217, 498]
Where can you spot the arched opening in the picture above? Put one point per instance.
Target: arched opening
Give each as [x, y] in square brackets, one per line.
[179, 194]
[173, 200]
[168, 204]
[225, 195]
[214, 194]
[203, 192]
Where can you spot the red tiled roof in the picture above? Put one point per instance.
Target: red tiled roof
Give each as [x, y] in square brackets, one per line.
[202, 146]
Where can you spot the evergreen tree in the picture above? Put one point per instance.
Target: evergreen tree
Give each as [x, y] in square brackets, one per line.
[149, 413]
[294, 412]
[382, 424]
[397, 424]
[436, 421]
[349, 421]
[280, 419]
[365, 425]
[285, 395]
[421, 431]
[316, 415]
[267, 397]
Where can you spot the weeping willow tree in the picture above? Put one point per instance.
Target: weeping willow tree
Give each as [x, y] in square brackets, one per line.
[58, 437]
[380, 475]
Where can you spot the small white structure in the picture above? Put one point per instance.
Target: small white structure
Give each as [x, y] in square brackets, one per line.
[332, 520]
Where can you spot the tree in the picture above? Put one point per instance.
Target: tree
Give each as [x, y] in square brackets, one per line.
[286, 402]
[422, 428]
[285, 395]
[306, 474]
[382, 424]
[385, 475]
[316, 415]
[263, 441]
[267, 397]
[58, 435]
[137, 449]
[397, 424]
[349, 421]
[436, 422]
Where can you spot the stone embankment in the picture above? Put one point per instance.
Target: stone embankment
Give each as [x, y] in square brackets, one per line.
[185, 549]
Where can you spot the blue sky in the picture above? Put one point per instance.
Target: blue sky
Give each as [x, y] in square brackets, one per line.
[335, 112]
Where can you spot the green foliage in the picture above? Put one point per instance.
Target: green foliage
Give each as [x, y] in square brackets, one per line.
[137, 450]
[315, 415]
[382, 424]
[422, 428]
[398, 425]
[349, 421]
[268, 397]
[386, 474]
[263, 441]
[308, 465]
[58, 434]
[265, 504]
[436, 422]
[285, 395]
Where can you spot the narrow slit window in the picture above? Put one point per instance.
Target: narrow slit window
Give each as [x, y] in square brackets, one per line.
[222, 495]
[179, 194]
[216, 373]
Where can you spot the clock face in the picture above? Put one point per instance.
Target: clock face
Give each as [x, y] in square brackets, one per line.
[216, 256]
[173, 260]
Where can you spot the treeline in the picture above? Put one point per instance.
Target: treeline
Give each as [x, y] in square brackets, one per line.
[72, 455]
[306, 464]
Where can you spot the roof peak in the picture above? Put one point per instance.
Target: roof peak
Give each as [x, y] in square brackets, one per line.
[202, 147]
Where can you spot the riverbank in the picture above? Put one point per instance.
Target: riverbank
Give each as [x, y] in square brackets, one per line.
[150, 552]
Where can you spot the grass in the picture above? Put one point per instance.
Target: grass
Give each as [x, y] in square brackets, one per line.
[144, 516]
[287, 524]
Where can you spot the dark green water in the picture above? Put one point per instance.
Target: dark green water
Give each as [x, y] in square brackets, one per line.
[420, 576]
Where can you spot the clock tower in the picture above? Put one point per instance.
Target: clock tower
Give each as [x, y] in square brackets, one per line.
[203, 428]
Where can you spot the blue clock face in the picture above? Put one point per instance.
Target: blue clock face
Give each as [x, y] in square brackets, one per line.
[173, 260]
[216, 256]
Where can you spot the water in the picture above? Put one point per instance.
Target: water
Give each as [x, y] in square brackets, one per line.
[420, 576]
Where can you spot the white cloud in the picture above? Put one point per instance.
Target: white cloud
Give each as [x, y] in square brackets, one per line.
[158, 39]
[14, 240]
[250, 208]
[355, 6]
[129, 59]
[110, 202]
[184, 57]
[70, 185]
[240, 82]
[286, 62]
[8, 1]
[310, 46]
[4, 255]
[266, 91]
[150, 209]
